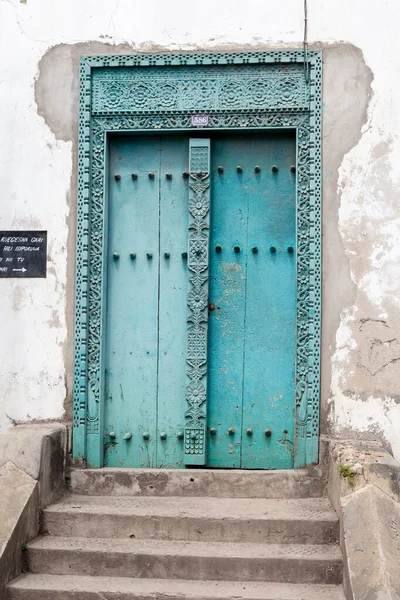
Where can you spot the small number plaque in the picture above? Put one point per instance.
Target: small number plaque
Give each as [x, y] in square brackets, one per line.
[199, 120]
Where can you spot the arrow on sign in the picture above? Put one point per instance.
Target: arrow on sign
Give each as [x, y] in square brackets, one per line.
[22, 270]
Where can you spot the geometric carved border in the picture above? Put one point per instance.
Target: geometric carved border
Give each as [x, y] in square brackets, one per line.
[197, 299]
[93, 131]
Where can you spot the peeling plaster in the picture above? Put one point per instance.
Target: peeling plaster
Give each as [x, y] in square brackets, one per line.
[366, 367]
[346, 96]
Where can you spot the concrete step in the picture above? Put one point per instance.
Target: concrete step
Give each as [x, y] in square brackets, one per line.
[201, 561]
[308, 521]
[307, 483]
[67, 587]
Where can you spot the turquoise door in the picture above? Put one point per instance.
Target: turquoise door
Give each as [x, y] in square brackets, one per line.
[146, 302]
[252, 291]
[251, 357]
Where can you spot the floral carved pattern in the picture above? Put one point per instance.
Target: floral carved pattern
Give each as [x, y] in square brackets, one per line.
[244, 88]
[96, 274]
[196, 352]
[294, 105]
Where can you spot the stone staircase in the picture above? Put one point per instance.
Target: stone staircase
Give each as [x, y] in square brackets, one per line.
[127, 534]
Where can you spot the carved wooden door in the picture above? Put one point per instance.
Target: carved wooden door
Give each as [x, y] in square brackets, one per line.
[146, 302]
[252, 317]
[201, 234]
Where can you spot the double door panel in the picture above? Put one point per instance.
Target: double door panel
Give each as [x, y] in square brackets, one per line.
[251, 340]
[252, 294]
[146, 302]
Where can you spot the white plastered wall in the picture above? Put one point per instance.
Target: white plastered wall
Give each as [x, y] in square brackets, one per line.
[36, 169]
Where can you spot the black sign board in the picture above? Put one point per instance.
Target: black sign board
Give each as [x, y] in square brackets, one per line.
[23, 253]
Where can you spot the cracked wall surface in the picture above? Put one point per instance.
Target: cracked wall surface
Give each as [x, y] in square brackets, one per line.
[40, 49]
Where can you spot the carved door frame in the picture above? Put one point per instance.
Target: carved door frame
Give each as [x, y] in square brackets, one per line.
[159, 93]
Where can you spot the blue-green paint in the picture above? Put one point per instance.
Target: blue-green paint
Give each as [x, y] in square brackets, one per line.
[146, 302]
[252, 329]
[229, 216]
[172, 301]
[270, 321]
[197, 300]
[279, 100]
[156, 367]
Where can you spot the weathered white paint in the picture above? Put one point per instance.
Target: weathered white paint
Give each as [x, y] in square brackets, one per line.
[372, 416]
[369, 221]
[35, 174]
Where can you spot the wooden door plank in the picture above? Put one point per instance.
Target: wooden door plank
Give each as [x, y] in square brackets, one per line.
[229, 216]
[173, 301]
[132, 303]
[270, 330]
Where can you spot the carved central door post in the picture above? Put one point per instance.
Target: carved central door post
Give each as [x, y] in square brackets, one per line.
[197, 331]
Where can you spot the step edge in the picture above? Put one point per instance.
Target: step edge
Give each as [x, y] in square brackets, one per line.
[65, 505]
[328, 518]
[69, 580]
[313, 471]
[183, 548]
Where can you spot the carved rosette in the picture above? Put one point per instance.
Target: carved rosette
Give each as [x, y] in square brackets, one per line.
[198, 266]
